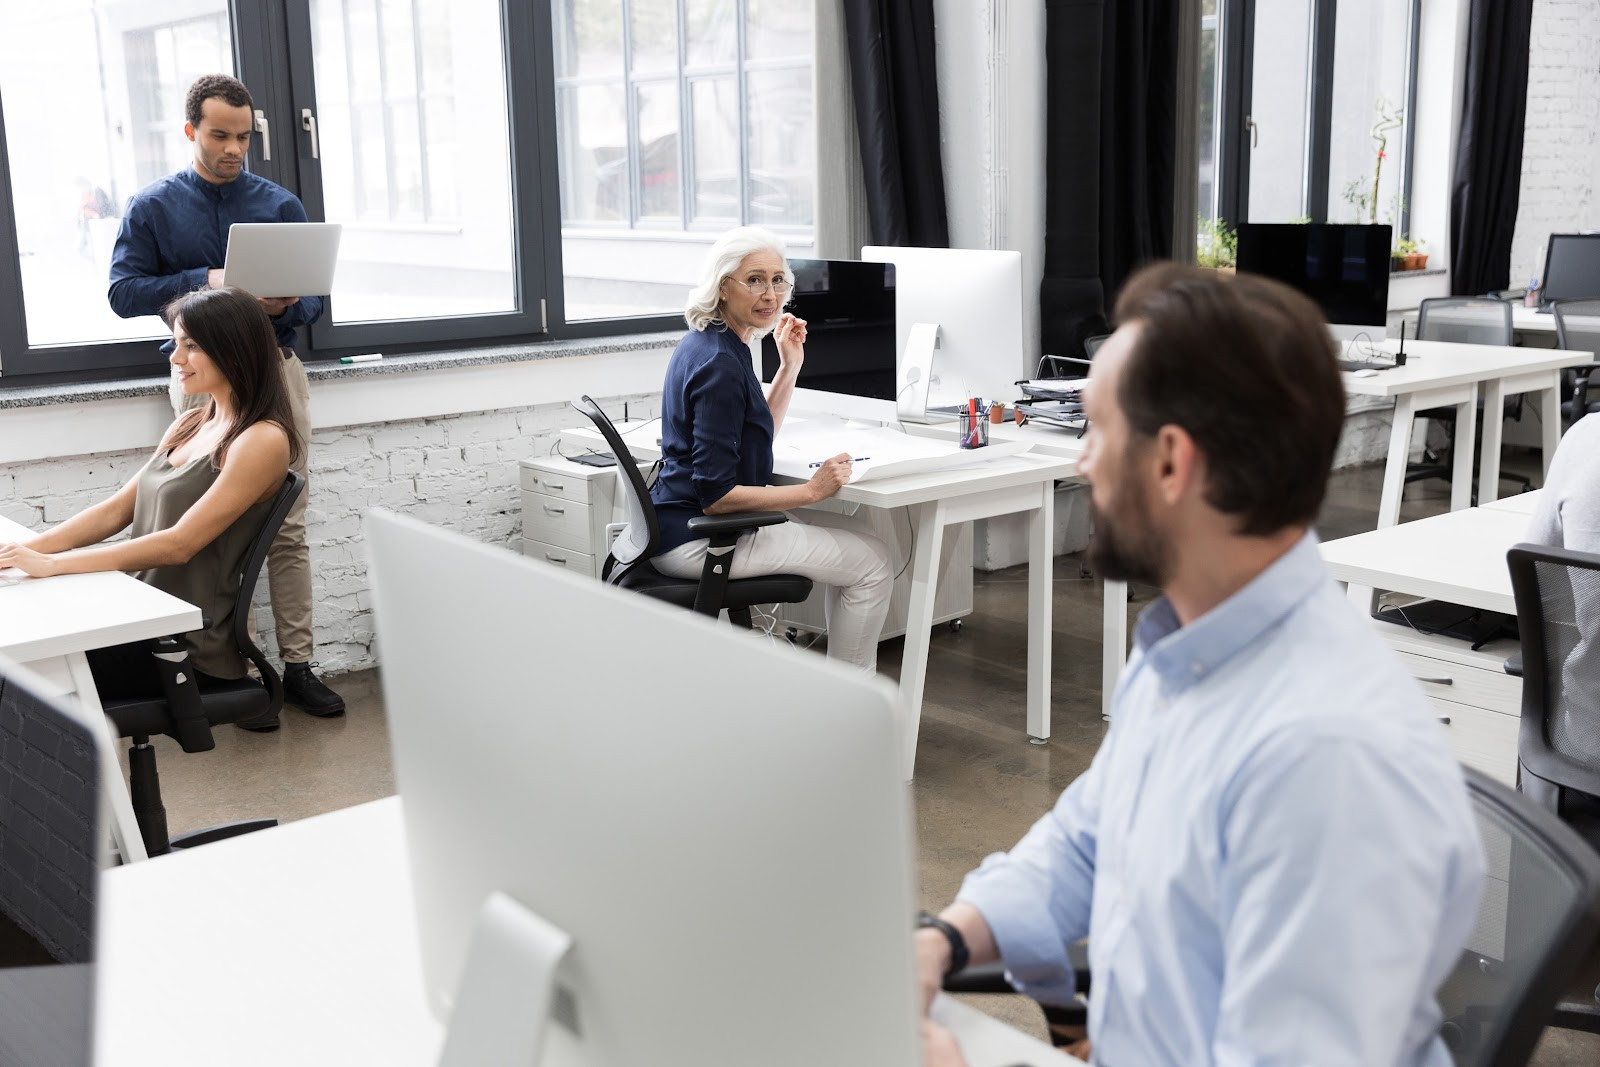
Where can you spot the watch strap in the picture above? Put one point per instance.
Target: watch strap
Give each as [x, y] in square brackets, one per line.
[958, 944]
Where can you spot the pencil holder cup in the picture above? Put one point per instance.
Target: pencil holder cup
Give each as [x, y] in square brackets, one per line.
[974, 431]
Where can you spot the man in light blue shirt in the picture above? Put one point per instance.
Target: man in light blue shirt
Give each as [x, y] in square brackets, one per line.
[1272, 855]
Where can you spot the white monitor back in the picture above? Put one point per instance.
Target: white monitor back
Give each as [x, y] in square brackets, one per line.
[975, 297]
[718, 823]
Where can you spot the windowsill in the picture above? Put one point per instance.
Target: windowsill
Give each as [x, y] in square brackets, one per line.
[26, 396]
[1426, 272]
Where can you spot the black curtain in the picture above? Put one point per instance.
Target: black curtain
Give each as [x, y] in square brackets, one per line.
[895, 84]
[1483, 197]
[1111, 99]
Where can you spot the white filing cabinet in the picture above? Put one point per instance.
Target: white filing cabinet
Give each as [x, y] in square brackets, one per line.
[566, 507]
[1478, 703]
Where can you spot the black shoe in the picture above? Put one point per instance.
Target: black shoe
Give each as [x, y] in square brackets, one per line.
[306, 691]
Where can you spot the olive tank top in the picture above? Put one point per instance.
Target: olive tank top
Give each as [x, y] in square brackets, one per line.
[209, 581]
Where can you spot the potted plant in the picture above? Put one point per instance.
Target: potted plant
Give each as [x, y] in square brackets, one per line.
[1358, 193]
[1216, 244]
[1406, 251]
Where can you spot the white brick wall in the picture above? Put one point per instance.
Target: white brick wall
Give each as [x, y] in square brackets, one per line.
[1561, 149]
[456, 471]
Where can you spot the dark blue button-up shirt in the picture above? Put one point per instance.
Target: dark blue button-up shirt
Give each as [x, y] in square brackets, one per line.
[716, 430]
[176, 230]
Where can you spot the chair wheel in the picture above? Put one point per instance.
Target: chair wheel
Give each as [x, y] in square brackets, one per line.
[955, 626]
[791, 634]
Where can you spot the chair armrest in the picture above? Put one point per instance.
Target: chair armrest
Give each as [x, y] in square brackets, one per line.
[1513, 664]
[984, 978]
[190, 727]
[725, 529]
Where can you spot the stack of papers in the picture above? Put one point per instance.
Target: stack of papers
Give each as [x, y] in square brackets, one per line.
[1054, 388]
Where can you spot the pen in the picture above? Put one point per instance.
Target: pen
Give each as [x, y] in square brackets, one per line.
[856, 459]
[370, 357]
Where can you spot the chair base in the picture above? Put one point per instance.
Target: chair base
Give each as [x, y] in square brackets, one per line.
[221, 833]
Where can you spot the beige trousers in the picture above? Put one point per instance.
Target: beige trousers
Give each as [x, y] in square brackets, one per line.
[289, 560]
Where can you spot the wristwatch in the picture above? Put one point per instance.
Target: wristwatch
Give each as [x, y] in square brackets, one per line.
[958, 944]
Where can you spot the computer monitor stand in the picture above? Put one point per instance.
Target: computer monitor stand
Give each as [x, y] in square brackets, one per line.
[507, 994]
[916, 372]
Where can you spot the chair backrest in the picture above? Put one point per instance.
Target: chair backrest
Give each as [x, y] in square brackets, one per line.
[1577, 324]
[1091, 345]
[638, 540]
[1558, 615]
[1539, 916]
[294, 483]
[1472, 320]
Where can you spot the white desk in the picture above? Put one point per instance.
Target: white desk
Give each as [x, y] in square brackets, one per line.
[1520, 503]
[191, 972]
[1458, 557]
[936, 500]
[1450, 375]
[50, 623]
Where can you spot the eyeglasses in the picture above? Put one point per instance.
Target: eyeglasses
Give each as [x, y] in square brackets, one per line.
[759, 286]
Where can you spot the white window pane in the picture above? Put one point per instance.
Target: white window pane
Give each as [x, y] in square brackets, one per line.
[659, 196]
[1209, 101]
[713, 31]
[592, 122]
[783, 164]
[412, 109]
[588, 38]
[653, 35]
[1370, 57]
[715, 106]
[119, 72]
[1280, 107]
[779, 29]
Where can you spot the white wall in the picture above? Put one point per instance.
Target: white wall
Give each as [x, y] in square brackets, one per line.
[1561, 150]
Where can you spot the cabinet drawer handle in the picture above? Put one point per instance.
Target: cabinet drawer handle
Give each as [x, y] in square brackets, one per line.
[1444, 719]
[554, 511]
[1435, 681]
[563, 561]
[556, 485]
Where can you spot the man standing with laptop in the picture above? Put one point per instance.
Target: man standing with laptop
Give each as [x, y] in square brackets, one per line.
[173, 240]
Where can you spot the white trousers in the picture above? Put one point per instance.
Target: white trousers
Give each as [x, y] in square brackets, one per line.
[855, 568]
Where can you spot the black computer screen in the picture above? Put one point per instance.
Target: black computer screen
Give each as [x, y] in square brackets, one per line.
[1571, 267]
[850, 340]
[1344, 268]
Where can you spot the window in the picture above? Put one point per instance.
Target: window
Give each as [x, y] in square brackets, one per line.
[675, 120]
[503, 169]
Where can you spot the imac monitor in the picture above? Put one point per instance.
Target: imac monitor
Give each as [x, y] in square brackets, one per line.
[50, 759]
[849, 310]
[696, 807]
[1344, 268]
[1571, 268]
[974, 296]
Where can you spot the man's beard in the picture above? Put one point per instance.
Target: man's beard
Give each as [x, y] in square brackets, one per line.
[1127, 551]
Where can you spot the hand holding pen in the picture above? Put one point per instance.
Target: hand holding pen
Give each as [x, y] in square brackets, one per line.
[832, 475]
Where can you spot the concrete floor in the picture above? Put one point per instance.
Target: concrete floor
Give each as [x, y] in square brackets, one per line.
[979, 784]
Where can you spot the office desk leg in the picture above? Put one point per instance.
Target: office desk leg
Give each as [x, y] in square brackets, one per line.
[124, 827]
[1550, 423]
[1494, 406]
[1394, 471]
[1114, 634]
[1041, 583]
[1466, 435]
[928, 520]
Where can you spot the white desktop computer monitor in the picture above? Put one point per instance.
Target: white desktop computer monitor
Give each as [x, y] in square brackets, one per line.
[717, 823]
[974, 297]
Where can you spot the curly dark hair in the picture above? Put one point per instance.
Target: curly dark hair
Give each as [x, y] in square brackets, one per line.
[229, 90]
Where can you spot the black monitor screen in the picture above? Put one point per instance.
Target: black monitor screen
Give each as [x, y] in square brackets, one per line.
[850, 340]
[1571, 267]
[1345, 269]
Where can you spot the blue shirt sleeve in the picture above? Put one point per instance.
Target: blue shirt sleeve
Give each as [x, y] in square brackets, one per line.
[138, 286]
[1036, 898]
[716, 396]
[1300, 920]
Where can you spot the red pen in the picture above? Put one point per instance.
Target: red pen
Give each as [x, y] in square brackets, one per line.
[972, 421]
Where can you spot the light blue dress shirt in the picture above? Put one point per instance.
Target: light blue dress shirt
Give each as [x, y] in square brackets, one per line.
[1272, 855]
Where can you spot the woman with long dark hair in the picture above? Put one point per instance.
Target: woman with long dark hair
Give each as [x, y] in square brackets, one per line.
[197, 504]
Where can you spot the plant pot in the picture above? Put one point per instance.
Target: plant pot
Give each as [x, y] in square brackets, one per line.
[1422, 261]
[1413, 261]
[1397, 264]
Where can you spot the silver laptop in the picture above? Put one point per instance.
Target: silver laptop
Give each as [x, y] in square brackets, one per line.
[277, 259]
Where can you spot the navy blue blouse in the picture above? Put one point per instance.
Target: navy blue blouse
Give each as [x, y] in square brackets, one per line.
[716, 430]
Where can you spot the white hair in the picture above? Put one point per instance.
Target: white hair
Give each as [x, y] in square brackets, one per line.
[705, 300]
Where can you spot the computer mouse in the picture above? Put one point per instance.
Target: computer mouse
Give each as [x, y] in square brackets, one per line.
[1367, 372]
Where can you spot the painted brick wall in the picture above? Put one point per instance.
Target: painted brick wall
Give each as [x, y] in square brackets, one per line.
[456, 471]
[1561, 150]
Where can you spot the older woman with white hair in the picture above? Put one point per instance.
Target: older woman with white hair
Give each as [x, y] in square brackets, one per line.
[717, 426]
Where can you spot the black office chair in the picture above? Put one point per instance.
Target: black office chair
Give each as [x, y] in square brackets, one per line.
[186, 711]
[1578, 330]
[1471, 320]
[1527, 942]
[628, 564]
